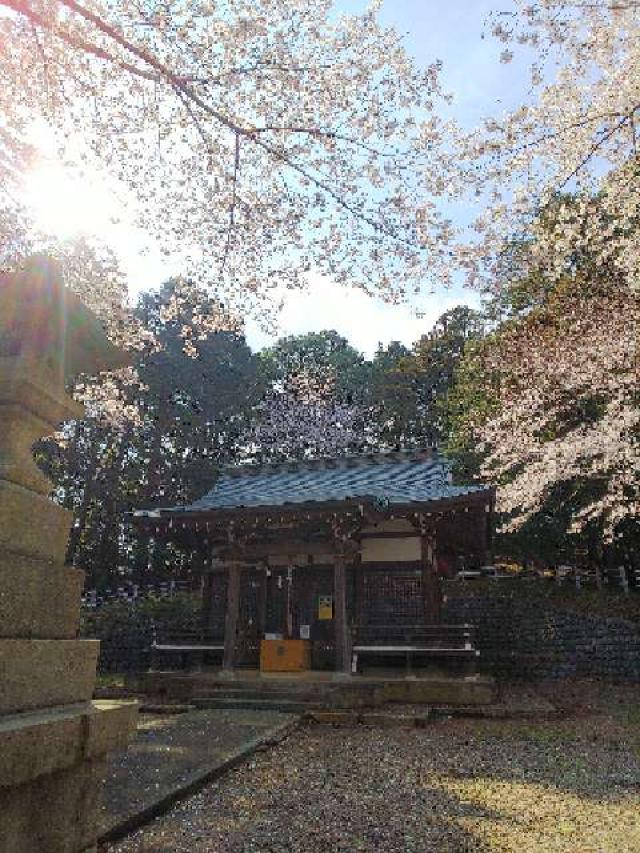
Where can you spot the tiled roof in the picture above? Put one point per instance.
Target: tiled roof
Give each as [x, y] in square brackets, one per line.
[396, 478]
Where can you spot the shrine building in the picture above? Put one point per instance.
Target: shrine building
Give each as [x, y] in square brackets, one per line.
[309, 563]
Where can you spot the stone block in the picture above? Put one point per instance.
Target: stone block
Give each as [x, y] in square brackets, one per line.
[27, 590]
[27, 383]
[38, 743]
[112, 723]
[44, 673]
[56, 813]
[52, 738]
[19, 431]
[477, 690]
[31, 525]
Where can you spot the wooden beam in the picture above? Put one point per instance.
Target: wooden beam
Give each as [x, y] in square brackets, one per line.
[400, 534]
[285, 548]
[208, 584]
[263, 580]
[491, 520]
[231, 617]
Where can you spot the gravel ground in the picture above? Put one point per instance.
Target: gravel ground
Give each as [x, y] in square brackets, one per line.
[458, 785]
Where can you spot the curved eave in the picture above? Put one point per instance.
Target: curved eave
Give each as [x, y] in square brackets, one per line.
[161, 520]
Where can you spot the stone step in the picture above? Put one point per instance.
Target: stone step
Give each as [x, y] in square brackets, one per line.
[316, 700]
[256, 693]
[289, 706]
[268, 691]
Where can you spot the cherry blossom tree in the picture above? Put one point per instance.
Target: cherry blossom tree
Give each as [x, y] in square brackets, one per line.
[304, 422]
[577, 134]
[314, 401]
[260, 138]
[552, 409]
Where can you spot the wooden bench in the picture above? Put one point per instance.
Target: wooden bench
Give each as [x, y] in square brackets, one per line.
[440, 642]
[188, 645]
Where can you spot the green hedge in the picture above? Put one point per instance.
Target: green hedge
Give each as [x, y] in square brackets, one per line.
[126, 630]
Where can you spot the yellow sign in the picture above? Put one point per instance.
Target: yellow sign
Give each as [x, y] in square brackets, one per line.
[325, 607]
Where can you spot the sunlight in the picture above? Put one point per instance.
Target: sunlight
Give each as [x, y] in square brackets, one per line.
[65, 205]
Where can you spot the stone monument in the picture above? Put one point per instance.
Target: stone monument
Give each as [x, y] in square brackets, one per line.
[53, 738]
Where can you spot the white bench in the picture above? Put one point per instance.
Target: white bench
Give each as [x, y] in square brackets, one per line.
[452, 642]
[188, 644]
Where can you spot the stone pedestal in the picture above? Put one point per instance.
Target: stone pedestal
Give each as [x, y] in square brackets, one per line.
[53, 738]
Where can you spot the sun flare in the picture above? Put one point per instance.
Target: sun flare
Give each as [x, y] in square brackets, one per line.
[65, 205]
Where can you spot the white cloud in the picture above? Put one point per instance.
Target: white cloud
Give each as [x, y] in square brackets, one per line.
[364, 321]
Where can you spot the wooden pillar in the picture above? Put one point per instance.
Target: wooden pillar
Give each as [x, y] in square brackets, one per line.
[231, 617]
[207, 600]
[207, 590]
[430, 581]
[343, 646]
[361, 613]
[491, 522]
[262, 599]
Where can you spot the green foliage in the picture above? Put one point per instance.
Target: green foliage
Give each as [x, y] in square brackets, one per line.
[471, 401]
[318, 355]
[172, 423]
[126, 630]
[413, 388]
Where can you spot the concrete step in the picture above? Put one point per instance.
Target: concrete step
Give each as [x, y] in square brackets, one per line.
[289, 706]
[308, 694]
[275, 685]
[260, 693]
[256, 693]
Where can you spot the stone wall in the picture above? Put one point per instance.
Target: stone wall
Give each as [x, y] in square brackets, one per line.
[525, 631]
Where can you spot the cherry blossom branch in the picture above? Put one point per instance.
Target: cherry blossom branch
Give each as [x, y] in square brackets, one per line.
[595, 148]
[21, 7]
[178, 82]
[252, 69]
[329, 134]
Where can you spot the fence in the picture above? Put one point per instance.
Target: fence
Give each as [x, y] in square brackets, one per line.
[625, 578]
[125, 621]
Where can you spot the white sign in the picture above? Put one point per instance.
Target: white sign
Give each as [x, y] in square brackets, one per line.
[305, 632]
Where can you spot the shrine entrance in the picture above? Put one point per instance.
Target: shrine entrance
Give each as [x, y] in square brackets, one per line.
[280, 606]
[299, 605]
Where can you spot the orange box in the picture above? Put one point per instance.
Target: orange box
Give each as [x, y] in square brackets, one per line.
[285, 655]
